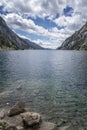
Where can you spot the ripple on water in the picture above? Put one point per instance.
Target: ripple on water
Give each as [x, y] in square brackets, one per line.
[53, 83]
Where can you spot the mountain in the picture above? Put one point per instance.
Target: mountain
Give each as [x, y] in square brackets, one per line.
[78, 41]
[10, 40]
[33, 45]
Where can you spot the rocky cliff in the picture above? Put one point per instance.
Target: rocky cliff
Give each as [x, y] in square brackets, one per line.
[78, 41]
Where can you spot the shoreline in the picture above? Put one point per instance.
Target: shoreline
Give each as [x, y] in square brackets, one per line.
[18, 117]
[15, 116]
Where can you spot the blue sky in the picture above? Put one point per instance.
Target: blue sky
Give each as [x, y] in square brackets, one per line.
[45, 22]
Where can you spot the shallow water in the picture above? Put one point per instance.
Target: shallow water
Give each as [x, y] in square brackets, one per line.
[53, 83]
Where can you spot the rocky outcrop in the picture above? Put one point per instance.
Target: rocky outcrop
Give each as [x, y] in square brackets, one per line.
[21, 120]
[17, 109]
[78, 41]
[10, 40]
[31, 118]
[5, 126]
[32, 121]
[6, 43]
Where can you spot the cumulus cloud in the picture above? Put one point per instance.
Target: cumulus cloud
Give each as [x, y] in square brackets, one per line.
[72, 23]
[20, 13]
[17, 22]
[21, 23]
[28, 25]
[39, 8]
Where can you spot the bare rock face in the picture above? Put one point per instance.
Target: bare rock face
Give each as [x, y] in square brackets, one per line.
[30, 119]
[17, 109]
[78, 41]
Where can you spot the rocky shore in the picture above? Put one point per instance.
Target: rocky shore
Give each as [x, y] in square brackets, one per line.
[19, 118]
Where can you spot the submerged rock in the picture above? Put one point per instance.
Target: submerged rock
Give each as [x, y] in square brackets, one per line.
[2, 124]
[23, 120]
[11, 127]
[2, 114]
[61, 122]
[5, 126]
[20, 128]
[31, 119]
[17, 109]
[47, 126]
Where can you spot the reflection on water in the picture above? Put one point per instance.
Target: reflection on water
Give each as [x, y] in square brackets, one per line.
[53, 83]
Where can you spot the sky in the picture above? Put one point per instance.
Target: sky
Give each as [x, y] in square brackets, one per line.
[45, 22]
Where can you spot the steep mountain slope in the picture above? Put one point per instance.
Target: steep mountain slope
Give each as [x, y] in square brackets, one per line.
[78, 41]
[33, 45]
[6, 43]
[10, 40]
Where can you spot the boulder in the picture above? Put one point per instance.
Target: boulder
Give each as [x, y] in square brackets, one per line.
[17, 109]
[31, 118]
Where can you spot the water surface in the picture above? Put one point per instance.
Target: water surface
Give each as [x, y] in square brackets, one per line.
[53, 83]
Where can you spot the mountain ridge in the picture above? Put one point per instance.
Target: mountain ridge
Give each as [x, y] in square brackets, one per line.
[10, 40]
[78, 41]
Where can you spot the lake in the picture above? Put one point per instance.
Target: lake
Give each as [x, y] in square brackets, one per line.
[51, 82]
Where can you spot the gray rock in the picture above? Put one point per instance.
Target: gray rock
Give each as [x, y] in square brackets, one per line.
[15, 120]
[17, 109]
[2, 123]
[63, 128]
[2, 114]
[47, 126]
[10, 127]
[61, 122]
[31, 119]
[20, 128]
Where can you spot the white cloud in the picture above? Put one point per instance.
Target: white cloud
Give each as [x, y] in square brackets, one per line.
[69, 22]
[34, 8]
[19, 10]
[17, 22]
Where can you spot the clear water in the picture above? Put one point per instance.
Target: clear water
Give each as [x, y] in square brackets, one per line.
[53, 83]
